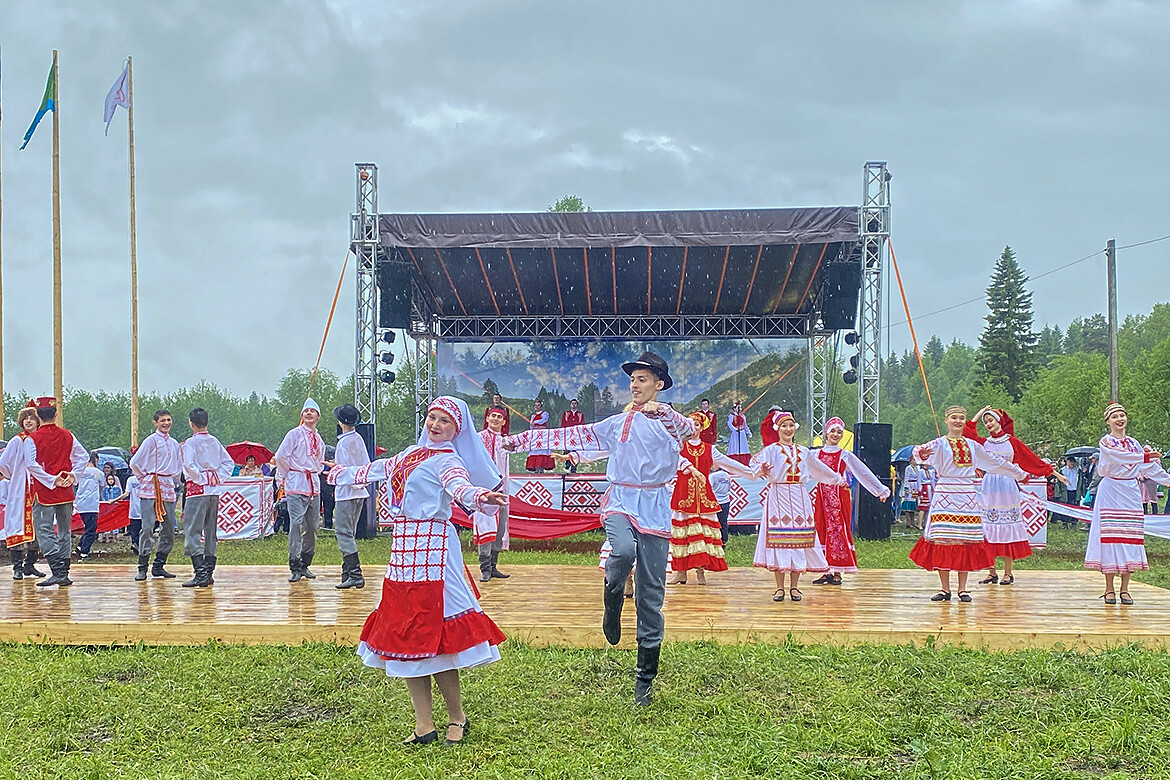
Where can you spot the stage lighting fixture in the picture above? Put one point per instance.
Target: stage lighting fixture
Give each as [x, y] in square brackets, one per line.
[851, 338]
[364, 174]
[850, 377]
[853, 360]
[386, 357]
[874, 225]
[387, 336]
[387, 377]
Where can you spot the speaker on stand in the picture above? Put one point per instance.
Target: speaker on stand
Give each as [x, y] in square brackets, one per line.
[871, 444]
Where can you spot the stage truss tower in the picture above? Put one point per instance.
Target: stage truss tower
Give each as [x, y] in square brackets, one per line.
[364, 240]
[874, 225]
[422, 330]
[820, 368]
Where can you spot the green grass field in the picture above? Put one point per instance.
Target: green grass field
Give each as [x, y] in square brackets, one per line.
[313, 711]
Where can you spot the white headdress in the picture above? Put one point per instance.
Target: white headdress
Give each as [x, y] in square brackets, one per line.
[310, 404]
[467, 443]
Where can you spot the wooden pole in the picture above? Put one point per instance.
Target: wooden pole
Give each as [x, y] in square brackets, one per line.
[1111, 272]
[58, 341]
[133, 269]
[1, 308]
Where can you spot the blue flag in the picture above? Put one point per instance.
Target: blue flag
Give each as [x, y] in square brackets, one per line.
[48, 103]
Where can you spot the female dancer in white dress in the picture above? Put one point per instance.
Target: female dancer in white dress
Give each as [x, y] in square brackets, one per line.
[1117, 533]
[429, 623]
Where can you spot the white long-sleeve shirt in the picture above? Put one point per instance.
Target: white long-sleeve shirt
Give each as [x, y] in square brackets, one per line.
[859, 471]
[351, 451]
[159, 456]
[14, 470]
[643, 453]
[299, 459]
[89, 490]
[205, 462]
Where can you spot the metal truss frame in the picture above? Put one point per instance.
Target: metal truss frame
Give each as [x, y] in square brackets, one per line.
[820, 367]
[364, 242]
[874, 226]
[423, 331]
[643, 328]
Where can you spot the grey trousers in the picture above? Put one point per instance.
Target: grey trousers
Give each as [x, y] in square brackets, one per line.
[629, 545]
[199, 525]
[53, 528]
[166, 529]
[345, 519]
[497, 544]
[304, 518]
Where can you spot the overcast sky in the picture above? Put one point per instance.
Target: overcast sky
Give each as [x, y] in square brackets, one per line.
[1039, 124]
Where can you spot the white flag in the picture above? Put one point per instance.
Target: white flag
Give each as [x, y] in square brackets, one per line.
[119, 95]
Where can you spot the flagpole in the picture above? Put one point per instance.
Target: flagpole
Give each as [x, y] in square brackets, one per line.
[58, 341]
[1, 298]
[133, 267]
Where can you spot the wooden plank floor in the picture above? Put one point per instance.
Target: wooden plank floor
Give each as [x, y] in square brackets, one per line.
[561, 605]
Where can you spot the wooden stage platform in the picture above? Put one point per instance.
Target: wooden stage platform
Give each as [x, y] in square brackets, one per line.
[561, 605]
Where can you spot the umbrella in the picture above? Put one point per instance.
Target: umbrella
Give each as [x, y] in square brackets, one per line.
[904, 454]
[242, 449]
[117, 461]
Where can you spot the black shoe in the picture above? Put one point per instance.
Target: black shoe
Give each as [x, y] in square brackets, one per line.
[30, 558]
[305, 561]
[422, 739]
[18, 564]
[485, 574]
[611, 621]
[826, 579]
[143, 565]
[294, 565]
[644, 675]
[198, 581]
[964, 597]
[158, 572]
[942, 595]
[465, 726]
[65, 564]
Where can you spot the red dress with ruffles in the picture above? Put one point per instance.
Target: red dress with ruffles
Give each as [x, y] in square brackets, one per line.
[695, 538]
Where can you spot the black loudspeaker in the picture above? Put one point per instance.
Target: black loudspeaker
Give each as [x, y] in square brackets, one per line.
[841, 287]
[871, 444]
[366, 529]
[394, 287]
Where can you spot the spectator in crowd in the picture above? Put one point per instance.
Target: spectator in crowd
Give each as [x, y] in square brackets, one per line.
[112, 490]
[109, 470]
[250, 469]
[135, 512]
[721, 486]
[1149, 491]
[86, 504]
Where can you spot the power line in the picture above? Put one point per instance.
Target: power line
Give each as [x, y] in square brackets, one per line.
[1143, 243]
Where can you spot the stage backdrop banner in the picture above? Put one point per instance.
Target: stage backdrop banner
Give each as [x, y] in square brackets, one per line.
[245, 508]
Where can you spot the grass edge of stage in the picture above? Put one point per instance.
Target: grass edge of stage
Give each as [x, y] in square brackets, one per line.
[727, 711]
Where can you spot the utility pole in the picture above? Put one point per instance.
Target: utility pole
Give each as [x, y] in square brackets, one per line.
[1111, 272]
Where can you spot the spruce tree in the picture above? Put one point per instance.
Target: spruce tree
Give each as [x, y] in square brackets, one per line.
[1007, 348]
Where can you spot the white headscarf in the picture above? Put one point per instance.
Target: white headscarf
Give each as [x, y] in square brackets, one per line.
[467, 443]
[310, 404]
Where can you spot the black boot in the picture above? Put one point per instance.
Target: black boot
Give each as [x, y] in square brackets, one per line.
[209, 568]
[57, 572]
[351, 573]
[485, 567]
[496, 573]
[294, 566]
[143, 565]
[30, 558]
[65, 562]
[158, 571]
[199, 580]
[611, 621]
[645, 673]
[18, 564]
[306, 559]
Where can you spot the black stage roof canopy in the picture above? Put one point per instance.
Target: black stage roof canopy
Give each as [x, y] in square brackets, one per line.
[626, 275]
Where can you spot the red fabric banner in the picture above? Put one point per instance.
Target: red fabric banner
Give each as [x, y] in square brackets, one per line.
[112, 515]
[526, 521]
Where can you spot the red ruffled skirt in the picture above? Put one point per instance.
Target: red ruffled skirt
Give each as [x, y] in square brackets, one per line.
[975, 556]
[540, 462]
[1013, 550]
[409, 624]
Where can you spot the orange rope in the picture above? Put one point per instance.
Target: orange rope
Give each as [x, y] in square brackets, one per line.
[328, 324]
[778, 381]
[913, 338]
